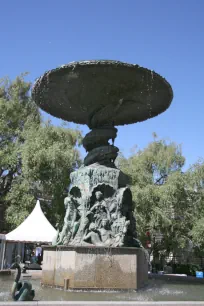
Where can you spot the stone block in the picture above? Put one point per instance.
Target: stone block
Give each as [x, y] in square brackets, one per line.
[95, 267]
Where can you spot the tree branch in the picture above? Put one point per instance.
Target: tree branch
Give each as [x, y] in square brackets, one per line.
[161, 178]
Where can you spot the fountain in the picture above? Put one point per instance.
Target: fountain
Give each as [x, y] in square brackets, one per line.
[97, 247]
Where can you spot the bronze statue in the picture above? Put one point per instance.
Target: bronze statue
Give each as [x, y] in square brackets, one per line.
[99, 209]
[21, 291]
[69, 228]
[101, 236]
[103, 94]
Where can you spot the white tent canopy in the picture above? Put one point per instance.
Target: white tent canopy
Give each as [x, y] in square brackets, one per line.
[35, 228]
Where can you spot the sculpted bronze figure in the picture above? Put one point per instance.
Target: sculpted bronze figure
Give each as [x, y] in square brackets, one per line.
[101, 94]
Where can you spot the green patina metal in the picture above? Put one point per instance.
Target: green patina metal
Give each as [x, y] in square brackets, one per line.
[101, 94]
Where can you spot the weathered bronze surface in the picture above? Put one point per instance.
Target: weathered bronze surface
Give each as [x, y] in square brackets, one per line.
[99, 209]
[101, 94]
[21, 291]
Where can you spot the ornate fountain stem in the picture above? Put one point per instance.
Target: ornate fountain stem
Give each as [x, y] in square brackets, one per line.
[96, 143]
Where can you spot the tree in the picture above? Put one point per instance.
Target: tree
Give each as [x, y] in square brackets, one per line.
[196, 180]
[162, 194]
[36, 158]
[16, 108]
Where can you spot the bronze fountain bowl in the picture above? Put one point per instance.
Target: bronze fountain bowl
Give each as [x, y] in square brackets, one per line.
[102, 92]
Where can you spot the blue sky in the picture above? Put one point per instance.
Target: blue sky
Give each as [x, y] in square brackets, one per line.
[164, 35]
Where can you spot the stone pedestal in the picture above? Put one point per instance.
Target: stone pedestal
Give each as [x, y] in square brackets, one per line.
[94, 267]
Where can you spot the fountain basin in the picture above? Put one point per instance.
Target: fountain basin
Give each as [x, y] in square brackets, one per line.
[84, 267]
[157, 290]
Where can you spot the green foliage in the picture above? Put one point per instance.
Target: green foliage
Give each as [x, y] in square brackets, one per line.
[49, 155]
[36, 158]
[16, 108]
[197, 232]
[168, 202]
[20, 201]
[188, 269]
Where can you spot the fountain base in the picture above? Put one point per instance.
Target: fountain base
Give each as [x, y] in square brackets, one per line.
[81, 267]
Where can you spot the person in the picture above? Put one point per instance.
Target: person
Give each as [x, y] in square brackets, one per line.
[33, 258]
[39, 258]
[38, 250]
[28, 253]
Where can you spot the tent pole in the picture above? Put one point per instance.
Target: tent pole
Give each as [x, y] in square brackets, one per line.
[3, 254]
